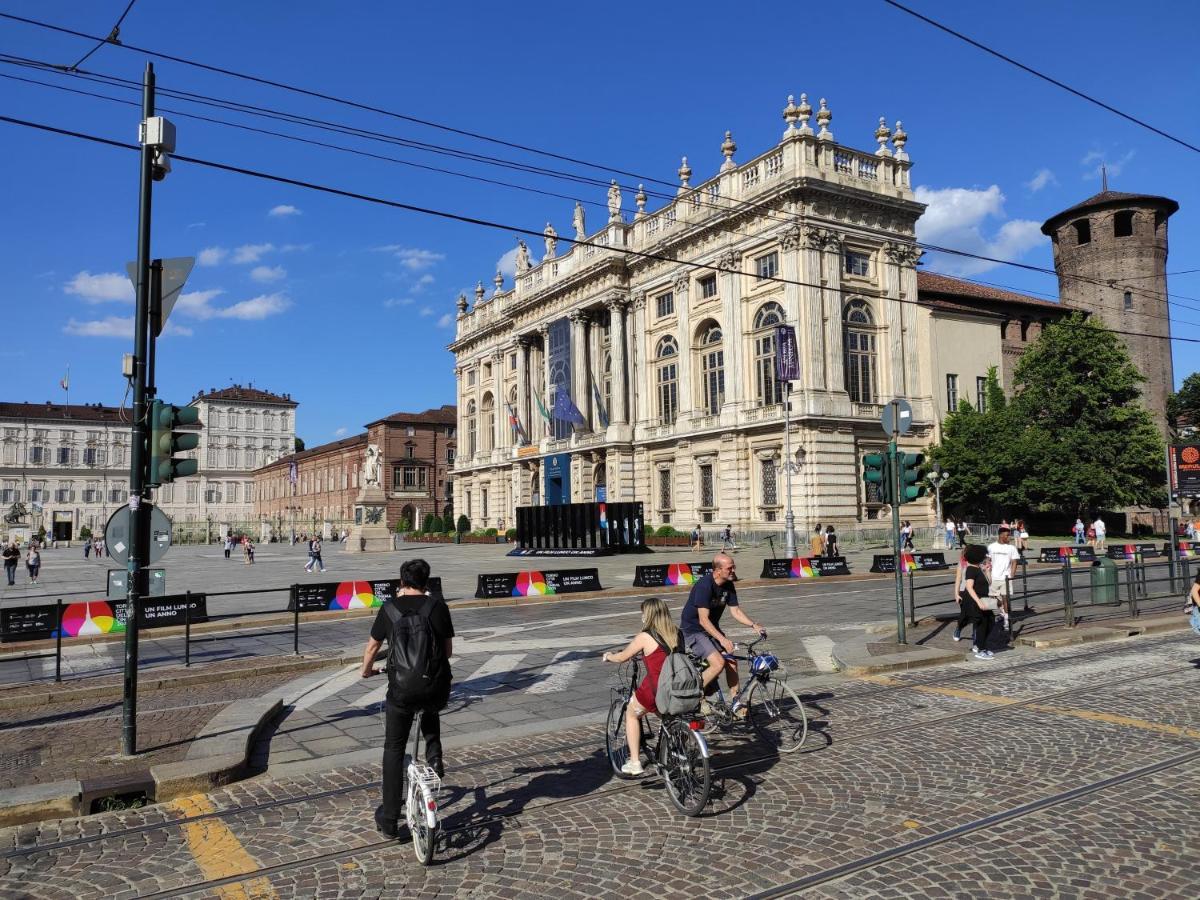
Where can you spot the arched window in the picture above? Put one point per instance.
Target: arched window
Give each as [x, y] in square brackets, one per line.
[711, 349]
[488, 425]
[861, 363]
[1123, 223]
[666, 356]
[472, 444]
[767, 388]
[1083, 231]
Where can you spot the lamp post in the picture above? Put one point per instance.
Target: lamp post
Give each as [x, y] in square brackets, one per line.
[937, 477]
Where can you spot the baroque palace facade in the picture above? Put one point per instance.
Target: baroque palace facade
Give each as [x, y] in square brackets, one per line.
[661, 332]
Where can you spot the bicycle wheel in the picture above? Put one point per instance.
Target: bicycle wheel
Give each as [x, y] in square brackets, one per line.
[777, 714]
[423, 837]
[685, 768]
[614, 736]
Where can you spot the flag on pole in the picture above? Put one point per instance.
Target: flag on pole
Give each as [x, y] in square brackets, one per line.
[600, 410]
[542, 408]
[516, 424]
[65, 382]
[292, 474]
[787, 355]
[565, 409]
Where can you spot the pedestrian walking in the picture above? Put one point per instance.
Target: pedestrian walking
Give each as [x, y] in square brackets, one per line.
[1005, 559]
[33, 562]
[245, 550]
[727, 542]
[949, 527]
[963, 532]
[906, 533]
[419, 634]
[976, 593]
[12, 556]
[1080, 532]
[87, 548]
[1101, 533]
[1021, 536]
[1193, 604]
[314, 554]
[228, 545]
[965, 613]
[697, 539]
[816, 543]
[831, 542]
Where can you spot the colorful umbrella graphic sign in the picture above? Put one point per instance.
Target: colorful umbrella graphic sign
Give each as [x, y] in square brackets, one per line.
[531, 584]
[354, 595]
[91, 617]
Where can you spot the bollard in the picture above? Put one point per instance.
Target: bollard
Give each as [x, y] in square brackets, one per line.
[58, 643]
[912, 601]
[1068, 594]
[187, 630]
[1025, 584]
[296, 619]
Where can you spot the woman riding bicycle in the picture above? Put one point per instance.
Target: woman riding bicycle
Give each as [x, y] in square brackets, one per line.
[658, 637]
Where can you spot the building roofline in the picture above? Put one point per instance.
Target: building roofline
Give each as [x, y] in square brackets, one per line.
[1107, 200]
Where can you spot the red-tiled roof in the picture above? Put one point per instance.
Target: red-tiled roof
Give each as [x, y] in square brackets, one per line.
[332, 446]
[447, 414]
[76, 412]
[245, 394]
[930, 284]
[1111, 198]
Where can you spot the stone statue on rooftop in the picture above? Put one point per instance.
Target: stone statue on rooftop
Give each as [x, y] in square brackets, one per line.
[551, 238]
[614, 202]
[522, 264]
[577, 221]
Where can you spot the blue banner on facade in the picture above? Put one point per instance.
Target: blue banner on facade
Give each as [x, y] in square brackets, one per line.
[559, 338]
[557, 471]
[787, 355]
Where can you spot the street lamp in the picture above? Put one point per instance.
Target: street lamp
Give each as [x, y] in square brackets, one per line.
[937, 478]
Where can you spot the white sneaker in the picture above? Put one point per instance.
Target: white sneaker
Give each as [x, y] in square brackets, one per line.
[633, 767]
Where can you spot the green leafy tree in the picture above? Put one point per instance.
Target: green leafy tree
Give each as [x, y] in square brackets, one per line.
[1183, 407]
[299, 444]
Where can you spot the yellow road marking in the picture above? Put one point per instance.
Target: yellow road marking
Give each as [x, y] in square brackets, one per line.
[217, 851]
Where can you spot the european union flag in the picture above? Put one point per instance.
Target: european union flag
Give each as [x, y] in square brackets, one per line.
[566, 411]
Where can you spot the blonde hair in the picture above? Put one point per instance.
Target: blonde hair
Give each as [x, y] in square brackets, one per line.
[659, 622]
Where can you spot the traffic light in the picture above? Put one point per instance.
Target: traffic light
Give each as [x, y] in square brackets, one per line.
[911, 487]
[166, 441]
[877, 470]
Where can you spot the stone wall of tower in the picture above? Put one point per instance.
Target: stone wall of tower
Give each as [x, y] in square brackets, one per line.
[1121, 278]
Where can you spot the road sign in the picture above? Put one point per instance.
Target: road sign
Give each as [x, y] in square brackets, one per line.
[897, 417]
[118, 584]
[116, 534]
[175, 273]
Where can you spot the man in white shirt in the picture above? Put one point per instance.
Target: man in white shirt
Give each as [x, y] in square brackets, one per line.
[1100, 534]
[1005, 558]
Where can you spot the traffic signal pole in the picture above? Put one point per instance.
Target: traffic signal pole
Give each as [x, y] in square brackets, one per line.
[139, 525]
[897, 488]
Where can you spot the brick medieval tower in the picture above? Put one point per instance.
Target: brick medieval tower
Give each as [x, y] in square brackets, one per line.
[1110, 253]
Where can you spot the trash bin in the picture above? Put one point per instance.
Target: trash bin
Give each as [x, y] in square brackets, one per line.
[1104, 581]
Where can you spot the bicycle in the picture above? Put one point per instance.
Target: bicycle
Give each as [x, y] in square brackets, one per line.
[772, 708]
[421, 804]
[680, 752]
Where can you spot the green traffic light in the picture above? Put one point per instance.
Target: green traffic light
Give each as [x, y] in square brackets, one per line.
[165, 441]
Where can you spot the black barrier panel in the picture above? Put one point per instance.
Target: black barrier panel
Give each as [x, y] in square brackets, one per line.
[28, 623]
[670, 574]
[910, 562]
[1132, 551]
[537, 583]
[805, 567]
[586, 528]
[1183, 550]
[327, 595]
[161, 612]
[1074, 552]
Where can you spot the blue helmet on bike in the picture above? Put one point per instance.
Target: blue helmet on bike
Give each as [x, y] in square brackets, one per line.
[764, 662]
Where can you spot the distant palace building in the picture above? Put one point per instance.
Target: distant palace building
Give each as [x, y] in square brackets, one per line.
[68, 466]
[659, 329]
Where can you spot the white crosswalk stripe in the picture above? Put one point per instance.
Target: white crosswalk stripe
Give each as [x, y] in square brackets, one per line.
[488, 676]
[346, 678]
[820, 650]
[557, 676]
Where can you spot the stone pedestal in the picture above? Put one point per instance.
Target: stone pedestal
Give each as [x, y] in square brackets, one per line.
[370, 533]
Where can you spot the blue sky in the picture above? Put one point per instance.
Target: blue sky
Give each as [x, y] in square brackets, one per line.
[349, 306]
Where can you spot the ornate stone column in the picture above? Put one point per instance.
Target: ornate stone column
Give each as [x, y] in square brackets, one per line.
[811, 329]
[731, 330]
[544, 330]
[902, 294]
[833, 303]
[640, 384]
[500, 424]
[684, 339]
[579, 360]
[619, 414]
[522, 348]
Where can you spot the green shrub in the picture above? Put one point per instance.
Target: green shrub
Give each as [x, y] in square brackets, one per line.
[450, 534]
[427, 523]
[85, 533]
[490, 532]
[464, 524]
[403, 525]
[511, 534]
[435, 524]
[666, 531]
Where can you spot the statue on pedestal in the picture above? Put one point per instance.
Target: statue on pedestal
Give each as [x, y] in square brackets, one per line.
[522, 263]
[614, 202]
[551, 237]
[372, 469]
[577, 221]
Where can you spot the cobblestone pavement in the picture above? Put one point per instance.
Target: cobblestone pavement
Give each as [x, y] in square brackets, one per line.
[1069, 774]
[82, 739]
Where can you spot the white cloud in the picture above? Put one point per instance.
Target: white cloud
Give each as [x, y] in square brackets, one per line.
[196, 224]
[295, 248]
[413, 258]
[393, 302]
[425, 311]
[340, 432]
[446, 321]
[1042, 178]
[196, 303]
[957, 218]
[267, 274]
[211, 256]
[259, 307]
[1093, 160]
[507, 264]
[423, 282]
[251, 253]
[284, 209]
[115, 327]
[106, 287]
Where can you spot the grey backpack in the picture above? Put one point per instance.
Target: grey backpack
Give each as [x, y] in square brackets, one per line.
[679, 683]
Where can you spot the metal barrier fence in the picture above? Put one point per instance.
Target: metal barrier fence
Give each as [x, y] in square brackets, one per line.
[1071, 589]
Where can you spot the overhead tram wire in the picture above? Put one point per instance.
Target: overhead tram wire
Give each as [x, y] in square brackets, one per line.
[249, 109]
[487, 223]
[104, 79]
[114, 37]
[1043, 76]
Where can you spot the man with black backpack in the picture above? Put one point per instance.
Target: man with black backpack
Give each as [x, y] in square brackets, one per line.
[419, 634]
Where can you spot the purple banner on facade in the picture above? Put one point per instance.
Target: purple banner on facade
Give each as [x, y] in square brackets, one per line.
[787, 355]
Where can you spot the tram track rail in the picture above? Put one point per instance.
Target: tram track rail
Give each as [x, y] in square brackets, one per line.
[454, 828]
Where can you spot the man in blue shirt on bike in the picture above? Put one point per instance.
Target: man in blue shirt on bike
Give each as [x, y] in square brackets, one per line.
[701, 621]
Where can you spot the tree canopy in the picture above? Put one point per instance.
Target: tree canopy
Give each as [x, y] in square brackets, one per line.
[1073, 437]
[1183, 407]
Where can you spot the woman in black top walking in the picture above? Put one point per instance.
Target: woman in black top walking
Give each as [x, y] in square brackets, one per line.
[976, 588]
[831, 548]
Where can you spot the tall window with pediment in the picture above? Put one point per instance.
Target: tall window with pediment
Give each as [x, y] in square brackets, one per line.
[488, 425]
[710, 349]
[472, 445]
[767, 388]
[861, 360]
[666, 370]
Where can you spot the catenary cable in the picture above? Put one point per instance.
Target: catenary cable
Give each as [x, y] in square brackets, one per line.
[114, 36]
[487, 223]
